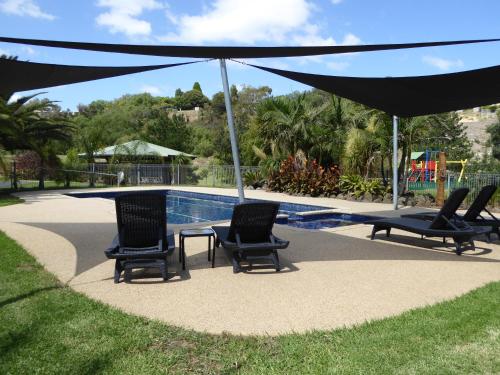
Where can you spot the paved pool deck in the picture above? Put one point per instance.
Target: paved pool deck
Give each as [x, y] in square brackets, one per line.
[331, 278]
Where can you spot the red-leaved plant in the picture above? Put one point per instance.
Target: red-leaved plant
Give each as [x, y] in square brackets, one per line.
[297, 175]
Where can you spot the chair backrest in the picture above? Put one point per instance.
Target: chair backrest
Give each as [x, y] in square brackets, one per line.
[253, 221]
[480, 202]
[141, 219]
[449, 208]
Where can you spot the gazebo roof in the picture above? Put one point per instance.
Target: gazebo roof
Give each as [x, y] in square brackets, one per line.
[139, 148]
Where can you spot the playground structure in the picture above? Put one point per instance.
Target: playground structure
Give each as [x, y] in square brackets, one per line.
[424, 167]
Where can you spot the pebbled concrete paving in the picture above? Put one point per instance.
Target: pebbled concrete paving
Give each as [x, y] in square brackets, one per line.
[331, 278]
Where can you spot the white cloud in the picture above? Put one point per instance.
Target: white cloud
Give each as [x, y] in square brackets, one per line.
[351, 40]
[336, 2]
[243, 21]
[28, 50]
[122, 16]
[153, 90]
[24, 8]
[310, 37]
[5, 52]
[337, 65]
[442, 64]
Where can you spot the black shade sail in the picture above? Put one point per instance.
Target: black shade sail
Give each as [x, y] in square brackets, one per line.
[232, 52]
[22, 75]
[410, 96]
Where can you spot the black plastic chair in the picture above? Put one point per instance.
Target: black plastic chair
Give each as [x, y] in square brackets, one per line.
[250, 237]
[143, 240]
[473, 215]
[442, 225]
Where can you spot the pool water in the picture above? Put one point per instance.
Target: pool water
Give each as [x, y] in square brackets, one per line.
[187, 207]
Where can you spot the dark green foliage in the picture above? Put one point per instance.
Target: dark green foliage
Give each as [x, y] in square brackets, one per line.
[191, 99]
[169, 131]
[358, 186]
[254, 179]
[197, 87]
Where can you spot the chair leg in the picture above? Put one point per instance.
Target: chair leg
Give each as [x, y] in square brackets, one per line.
[180, 248]
[128, 275]
[388, 232]
[213, 255]
[276, 260]
[164, 270]
[209, 246]
[118, 271]
[235, 259]
[444, 240]
[458, 247]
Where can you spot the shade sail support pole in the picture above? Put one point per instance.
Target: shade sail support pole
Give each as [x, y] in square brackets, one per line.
[232, 132]
[395, 123]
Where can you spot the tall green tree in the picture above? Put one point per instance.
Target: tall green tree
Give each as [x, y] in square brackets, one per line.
[169, 131]
[26, 126]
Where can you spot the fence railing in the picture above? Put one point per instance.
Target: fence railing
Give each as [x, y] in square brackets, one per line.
[102, 175]
[473, 181]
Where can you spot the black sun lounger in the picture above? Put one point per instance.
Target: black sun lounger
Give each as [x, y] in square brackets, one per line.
[250, 235]
[143, 240]
[473, 215]
[443, 225]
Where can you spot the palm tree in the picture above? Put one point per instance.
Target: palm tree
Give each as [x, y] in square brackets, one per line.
[287, 123]
[24, 126]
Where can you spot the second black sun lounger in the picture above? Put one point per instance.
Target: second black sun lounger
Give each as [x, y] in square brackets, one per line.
[443, 225]
[473, 215]
[250, 235]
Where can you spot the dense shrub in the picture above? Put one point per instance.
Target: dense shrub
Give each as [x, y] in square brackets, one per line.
[358, 186]
[298, 175]
[254, 179]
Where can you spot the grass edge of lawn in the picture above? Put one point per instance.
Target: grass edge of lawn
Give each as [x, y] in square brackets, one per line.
[7, 199]
[84, 339]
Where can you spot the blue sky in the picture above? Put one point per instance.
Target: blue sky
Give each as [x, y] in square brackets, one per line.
[245, 22]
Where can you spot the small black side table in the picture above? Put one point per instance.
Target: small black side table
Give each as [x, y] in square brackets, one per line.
[202, 232]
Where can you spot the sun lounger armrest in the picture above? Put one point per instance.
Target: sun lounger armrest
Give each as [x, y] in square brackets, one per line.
[238, 239]
[492, 216]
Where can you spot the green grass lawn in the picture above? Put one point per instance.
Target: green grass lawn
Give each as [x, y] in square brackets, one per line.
[47, 328]
[7, 199]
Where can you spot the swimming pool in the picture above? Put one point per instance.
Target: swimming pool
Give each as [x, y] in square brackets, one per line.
[187, 207]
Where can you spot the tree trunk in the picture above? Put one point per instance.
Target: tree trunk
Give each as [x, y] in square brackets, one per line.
[382, 171]
[41, 175]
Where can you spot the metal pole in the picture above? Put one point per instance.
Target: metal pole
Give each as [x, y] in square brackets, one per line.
[232, 133]
[395, 162]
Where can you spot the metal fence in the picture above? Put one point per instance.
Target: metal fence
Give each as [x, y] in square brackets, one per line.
[473, 181]
[103, 175]
[171, 174]
[53, 178]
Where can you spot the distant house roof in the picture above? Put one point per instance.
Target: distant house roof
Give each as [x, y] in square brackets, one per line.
[139, 148]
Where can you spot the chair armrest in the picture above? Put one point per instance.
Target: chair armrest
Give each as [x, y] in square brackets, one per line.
[113, 248]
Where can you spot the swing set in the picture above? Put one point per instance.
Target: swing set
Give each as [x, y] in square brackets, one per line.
[424, 166]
